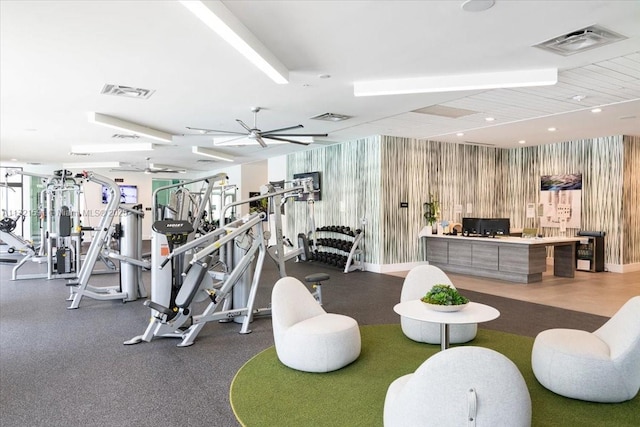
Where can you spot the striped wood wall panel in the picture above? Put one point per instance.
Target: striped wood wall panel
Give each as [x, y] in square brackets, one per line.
[350, 174]
[413, 169]
[373, 176]
[631, 200]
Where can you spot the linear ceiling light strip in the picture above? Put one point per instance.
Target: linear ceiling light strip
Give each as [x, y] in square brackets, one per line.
[202, 151]
[123, 125]
[111, 148]
[226, 25]
[451, 83]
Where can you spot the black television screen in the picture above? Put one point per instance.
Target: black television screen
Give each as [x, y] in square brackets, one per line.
[317, 195]
[128, 194]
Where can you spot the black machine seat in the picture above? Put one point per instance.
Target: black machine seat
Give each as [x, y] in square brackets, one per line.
[316, 277]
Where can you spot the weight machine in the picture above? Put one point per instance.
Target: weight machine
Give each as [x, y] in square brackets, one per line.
[219, 269]
[277, 199]
[60, 235]
[15, 242]
[128, 233]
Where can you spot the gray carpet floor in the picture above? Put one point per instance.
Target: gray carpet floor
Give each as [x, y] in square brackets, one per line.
[62, 367]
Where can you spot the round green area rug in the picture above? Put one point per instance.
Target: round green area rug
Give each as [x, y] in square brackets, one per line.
[265, 393]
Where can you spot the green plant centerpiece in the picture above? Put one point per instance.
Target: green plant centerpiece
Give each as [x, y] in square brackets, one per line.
[444, 295]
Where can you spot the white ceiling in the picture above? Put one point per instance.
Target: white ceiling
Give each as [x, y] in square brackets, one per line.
[57, 55]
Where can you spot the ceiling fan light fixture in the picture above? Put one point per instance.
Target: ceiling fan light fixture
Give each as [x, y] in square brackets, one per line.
[202, 151]
[459, 82]
[123, 125]
[248, 140]
[110, 148]
[217, 17]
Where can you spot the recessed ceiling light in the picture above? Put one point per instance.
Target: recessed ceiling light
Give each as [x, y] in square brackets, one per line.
[14, 160]
[477, 5]
[551, 129]
[596, 110]
[489, 119]
[460, 134]
[522, 141]
[578, 97]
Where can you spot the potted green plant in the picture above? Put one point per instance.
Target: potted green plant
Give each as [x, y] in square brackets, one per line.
[431, 211]
[445, 298]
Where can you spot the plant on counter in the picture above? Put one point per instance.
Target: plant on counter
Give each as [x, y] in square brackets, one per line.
[431, 209]
[444, 295]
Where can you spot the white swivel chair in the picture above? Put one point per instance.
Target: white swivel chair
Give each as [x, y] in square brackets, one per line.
[307, 338]
[417, 283]
[461, 386]
[603, 366]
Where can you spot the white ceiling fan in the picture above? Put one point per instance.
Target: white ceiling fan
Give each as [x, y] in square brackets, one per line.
[258, 135]
[151, 168]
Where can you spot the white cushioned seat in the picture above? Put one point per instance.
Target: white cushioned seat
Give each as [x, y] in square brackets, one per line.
[307, 338]
[603, 366]
[417, 283]
[461, 386]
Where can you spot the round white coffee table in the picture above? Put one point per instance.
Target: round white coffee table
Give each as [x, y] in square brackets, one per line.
[473, 313]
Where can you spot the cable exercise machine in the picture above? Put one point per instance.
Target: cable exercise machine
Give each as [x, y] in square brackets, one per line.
[219, 269]
[278, 196]
[60, 236]
[128, 235]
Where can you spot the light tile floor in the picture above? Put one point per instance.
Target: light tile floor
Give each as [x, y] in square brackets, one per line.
[596, 293]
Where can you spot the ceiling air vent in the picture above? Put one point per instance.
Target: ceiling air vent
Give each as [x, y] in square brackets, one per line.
[125, 136]
[331, 117]
[483, 144]
[580, 40]
[127, 91]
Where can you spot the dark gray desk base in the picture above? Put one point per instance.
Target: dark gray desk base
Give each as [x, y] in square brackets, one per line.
[511, 259]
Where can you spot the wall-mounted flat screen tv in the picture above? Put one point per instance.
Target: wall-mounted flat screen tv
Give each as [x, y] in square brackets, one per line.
[128, 194]
[317, 195]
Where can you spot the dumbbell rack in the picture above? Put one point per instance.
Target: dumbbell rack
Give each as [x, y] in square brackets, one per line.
[339, 246]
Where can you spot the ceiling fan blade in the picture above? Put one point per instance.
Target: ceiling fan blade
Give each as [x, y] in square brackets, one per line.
[282, 129]
[243, 125]
[294, 134]
[261, 141]
[286, 140]
[214, 131]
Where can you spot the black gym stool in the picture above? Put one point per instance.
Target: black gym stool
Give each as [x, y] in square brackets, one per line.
[317, 279]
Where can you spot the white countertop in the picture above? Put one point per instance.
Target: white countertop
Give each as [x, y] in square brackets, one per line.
[507, 239]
